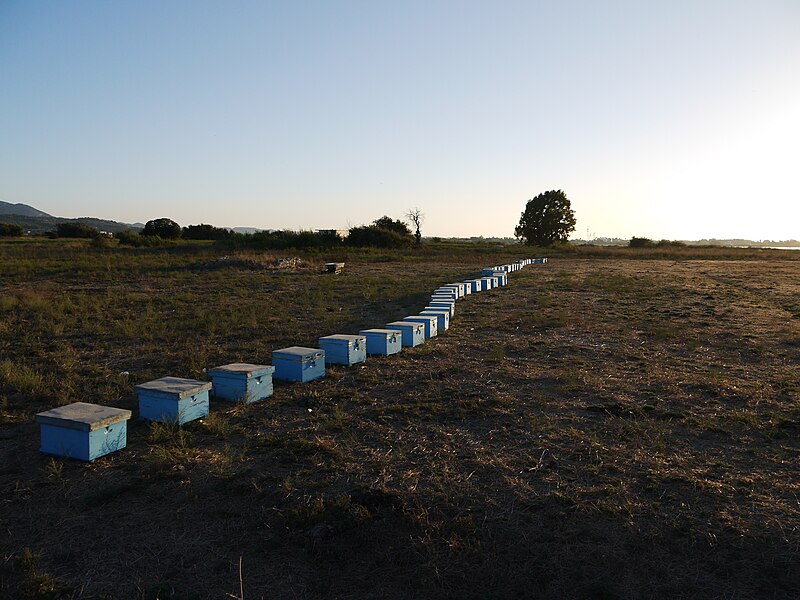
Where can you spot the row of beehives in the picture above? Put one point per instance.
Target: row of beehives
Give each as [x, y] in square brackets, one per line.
[87, 431]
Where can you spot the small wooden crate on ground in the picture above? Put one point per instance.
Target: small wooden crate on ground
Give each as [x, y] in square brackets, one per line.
[173, 400]
[445, 293]
[413, 334]
[430, 322]
[298, 363]
[83, 431]
[459, 287]
[383, 341]
[475, 285]
[341, 349]
[442, 314]
[333, 267]
[242, 382]
[443, 303]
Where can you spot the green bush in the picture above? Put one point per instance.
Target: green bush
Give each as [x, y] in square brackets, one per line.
[637, 242]
[205, 232]
[11, 230]
[131, 238]
[75, 230]
[371, 236]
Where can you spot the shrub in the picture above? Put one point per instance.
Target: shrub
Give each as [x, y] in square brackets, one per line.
[75, 230]
[205, 232]
[131, 238]
[11, 230]
[637, 242]
[102, 241]
[671, 244]
[376, 237]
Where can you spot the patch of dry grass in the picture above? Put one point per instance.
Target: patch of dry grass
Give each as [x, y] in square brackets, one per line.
[599, 428]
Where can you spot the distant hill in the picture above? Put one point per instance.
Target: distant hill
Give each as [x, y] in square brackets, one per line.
[38, 222]
[6, 208]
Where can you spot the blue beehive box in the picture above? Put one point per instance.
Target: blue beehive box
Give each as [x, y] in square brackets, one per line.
[459, 287]
[343, 349]
[298, 363]
[487, 271]
[488, 282]
[383, 341]
[448, 304]
[242, 382]
[466, 286]
[83, 431]
[446, 293]
[444, 296]
[413, 334]
[431, 324]
[442, 315]
[462, 288]
[474, 285]
[173, 400]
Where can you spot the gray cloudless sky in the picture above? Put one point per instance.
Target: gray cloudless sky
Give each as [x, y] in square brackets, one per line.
[672, 120]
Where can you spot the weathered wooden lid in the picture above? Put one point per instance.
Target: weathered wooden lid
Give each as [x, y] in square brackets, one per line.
[298, 353]
[419, 318]
[434, 311]
[404, 324]
[83, 416]
[343, 337]
[243, 368]
[174, 386]
[381, 331]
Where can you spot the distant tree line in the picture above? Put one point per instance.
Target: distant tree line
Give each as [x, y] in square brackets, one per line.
[643, 242]
[381, 233]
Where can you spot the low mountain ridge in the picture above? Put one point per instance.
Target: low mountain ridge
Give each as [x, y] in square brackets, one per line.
[38, 222]
[24, 210]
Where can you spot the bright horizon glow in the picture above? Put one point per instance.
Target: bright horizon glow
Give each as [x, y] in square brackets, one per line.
[677, 121]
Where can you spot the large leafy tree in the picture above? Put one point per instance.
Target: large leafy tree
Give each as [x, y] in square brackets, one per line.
[163, 228]
[398, 226]
[546, 220]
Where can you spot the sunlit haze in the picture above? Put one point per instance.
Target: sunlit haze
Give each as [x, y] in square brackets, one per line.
[676, 120]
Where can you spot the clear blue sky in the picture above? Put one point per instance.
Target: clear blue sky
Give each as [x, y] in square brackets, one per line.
[672, 120]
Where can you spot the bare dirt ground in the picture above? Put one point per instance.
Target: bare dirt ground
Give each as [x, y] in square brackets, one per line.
[599, 428]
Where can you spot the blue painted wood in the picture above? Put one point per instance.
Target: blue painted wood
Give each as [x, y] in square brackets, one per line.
[429, 322]
[413, 334]
[474, 285]
[446, 292]
[83, 431]
[443, 297]
[459, 287]
[488, 282]
[173, 400]
[298, 363]
[342, 349]
[383, 341]
[443, 304]
[442, 315]
[242, 382]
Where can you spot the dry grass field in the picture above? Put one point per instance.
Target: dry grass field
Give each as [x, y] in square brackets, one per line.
[613, 424]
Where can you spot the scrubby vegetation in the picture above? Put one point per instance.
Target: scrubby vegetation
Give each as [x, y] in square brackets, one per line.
[11, 230]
